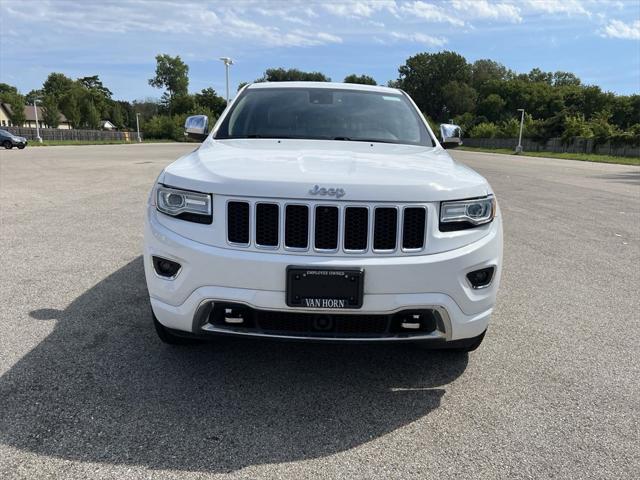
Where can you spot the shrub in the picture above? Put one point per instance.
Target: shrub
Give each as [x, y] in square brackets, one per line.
[600, 127]
[509, 128]
[576, 126]
[484, 130]
[165, 127]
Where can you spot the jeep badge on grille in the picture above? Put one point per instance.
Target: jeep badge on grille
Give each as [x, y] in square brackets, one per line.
[327, 192]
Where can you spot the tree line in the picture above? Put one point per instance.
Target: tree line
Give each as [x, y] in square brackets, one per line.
[482, 97]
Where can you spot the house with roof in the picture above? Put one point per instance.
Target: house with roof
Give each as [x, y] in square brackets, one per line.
[107, 125]
[30, 117]
[5, 119]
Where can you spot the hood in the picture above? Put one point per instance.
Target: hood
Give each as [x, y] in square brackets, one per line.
[291, 168]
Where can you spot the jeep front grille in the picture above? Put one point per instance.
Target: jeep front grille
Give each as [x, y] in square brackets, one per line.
[326, 228]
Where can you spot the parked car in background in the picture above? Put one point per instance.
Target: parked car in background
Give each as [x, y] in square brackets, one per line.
[324, 212]
[8, 140]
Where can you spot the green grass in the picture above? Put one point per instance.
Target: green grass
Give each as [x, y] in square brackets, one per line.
[585, 157]
[53, 143]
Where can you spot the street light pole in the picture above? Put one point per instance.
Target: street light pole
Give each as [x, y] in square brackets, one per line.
[227, 63]
[519, 147]
[138, 127]
[35, 112]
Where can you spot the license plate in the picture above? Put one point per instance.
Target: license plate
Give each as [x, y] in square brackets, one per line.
[333, 288]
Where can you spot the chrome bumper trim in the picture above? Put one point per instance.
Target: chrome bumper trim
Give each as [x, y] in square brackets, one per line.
[435, 335]
[200, 324]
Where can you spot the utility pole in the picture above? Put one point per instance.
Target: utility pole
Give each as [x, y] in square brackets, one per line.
[35, 112]
[138, 127]
[227, 63]
[519, 147]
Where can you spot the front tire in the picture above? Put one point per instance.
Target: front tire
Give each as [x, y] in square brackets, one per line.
[21, 147]
[7, 144]
[170, 338]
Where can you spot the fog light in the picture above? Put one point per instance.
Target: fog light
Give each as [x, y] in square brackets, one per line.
[233, 316]
[165, 268]
[413, 322]
[481, 278]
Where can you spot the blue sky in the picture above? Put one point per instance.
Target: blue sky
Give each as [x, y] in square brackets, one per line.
[599, 40]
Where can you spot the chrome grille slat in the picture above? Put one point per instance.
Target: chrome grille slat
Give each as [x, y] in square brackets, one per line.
[325, 228]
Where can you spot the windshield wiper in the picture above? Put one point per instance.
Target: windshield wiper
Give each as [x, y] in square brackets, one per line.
[256, 135]
[373, 140]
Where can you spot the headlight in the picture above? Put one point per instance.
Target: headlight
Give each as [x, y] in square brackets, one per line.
[463, 214]
[183, 204]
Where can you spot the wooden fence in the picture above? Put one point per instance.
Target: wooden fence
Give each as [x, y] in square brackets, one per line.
[579, 145]
[73, 134]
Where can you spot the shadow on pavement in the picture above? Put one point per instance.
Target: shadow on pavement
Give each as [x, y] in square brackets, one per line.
[632, 177]
[103, 388]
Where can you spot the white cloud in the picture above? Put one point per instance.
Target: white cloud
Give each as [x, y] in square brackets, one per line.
[482, 9]
[420, 38]
[619, 29]
[186, 18]
[142, 15]
[274, 36]
[356, 9]
[570, 7]
[430, 12]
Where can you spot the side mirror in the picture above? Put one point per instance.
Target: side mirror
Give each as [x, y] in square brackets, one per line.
[451, 135]
[197, 127]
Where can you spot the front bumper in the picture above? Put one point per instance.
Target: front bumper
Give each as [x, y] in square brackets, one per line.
[210, 275]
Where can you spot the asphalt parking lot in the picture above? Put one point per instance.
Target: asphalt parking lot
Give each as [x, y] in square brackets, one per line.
[88, 391]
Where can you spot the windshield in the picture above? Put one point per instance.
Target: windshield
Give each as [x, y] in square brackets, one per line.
[324, 114]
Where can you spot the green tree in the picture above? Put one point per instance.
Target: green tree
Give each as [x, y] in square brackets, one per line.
[6, 89]
[362, 79]
[492, 107]
[208, 98]
[33, 95]
[594, 100]
[182, 104]
[98, 94]
[10, 95]
[425, 75]
[484, 70]
[57, 85]
[94, 84]
[90, 115]
[16, 115]
[292, 75]
[117, 118]
[538, 76]
[70, 106]
[147, 108]
[458, 98]
[50, 112]
[172, 74]
[561, 79]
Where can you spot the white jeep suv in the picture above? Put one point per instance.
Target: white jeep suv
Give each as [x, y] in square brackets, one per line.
[325, 212]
